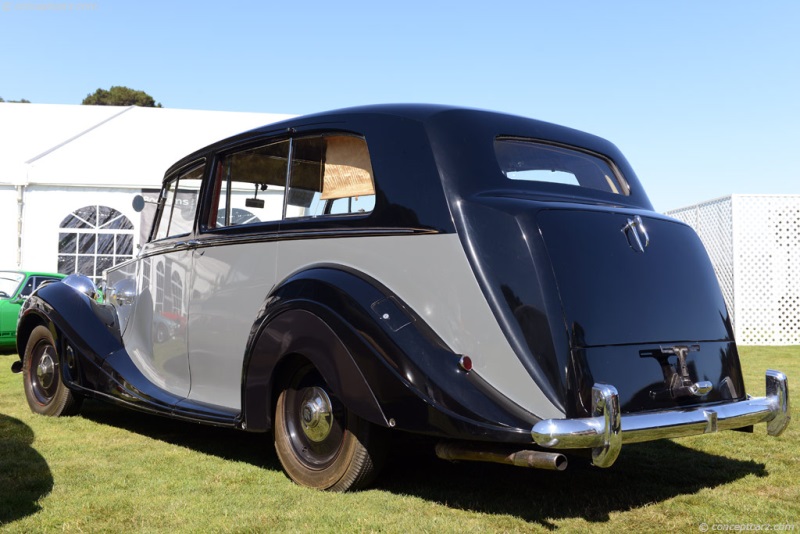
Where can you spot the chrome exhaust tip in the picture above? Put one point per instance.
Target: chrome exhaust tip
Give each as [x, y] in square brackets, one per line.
[473, 452]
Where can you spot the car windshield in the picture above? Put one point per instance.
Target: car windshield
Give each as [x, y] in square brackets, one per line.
[9, 282]
[531, 161]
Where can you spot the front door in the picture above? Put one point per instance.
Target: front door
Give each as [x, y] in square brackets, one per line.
[156, 324]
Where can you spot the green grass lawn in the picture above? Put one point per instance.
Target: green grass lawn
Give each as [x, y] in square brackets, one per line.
[110, 469]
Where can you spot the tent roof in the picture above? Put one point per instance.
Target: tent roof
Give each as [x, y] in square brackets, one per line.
[102, 146]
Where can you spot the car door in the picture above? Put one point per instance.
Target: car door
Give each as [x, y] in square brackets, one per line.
[234, 266]
[156, 312]
[10, 282]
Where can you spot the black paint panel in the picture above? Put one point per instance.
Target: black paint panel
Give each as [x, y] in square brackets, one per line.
[509, 262]
[638, 373]
[613, 294]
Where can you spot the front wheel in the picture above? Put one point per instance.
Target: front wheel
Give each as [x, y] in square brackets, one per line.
[41, 375]
[320, 443]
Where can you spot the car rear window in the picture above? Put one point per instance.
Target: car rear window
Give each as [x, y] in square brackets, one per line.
[534, 161]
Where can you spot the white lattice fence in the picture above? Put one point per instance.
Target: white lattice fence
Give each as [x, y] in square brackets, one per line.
[766, 257]
[754, 244]
[713, 222]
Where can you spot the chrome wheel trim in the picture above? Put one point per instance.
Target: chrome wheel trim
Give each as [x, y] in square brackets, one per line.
[45, 370]
[315, 420]
[316, 414]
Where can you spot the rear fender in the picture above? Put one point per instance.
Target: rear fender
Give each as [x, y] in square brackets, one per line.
[380, 357]
[286, 342]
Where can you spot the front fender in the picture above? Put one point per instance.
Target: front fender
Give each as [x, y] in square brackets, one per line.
[90, 326]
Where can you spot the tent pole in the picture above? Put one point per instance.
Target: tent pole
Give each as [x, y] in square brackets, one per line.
[20, 205]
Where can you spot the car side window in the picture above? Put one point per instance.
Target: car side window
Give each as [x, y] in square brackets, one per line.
[249, 186]
[33, 283]
[28, 288]
[179, 203]
[330, 175]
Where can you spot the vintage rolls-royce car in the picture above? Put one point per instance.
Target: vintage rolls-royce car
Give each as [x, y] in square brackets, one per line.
[498, 284]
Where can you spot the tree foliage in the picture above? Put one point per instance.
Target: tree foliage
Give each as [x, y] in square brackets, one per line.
[21, 101]
[120, 96]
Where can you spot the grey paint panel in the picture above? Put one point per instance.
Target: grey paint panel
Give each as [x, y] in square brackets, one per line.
[156, 346]
[432, 274]
[227, 284]
[231, 283]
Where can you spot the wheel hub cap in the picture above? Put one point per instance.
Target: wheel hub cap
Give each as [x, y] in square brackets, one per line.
[45, 371]
[315, 414]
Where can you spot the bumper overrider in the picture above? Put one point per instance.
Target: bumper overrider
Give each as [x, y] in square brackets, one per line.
[607, 430]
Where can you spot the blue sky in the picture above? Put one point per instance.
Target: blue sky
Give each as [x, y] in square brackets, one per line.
[702, 96]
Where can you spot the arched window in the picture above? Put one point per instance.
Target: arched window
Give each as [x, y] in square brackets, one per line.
[92, 239]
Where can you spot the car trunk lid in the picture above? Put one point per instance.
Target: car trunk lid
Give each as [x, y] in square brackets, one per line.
[642, 308]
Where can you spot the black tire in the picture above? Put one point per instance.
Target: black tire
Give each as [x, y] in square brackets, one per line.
[41, 375]
[320, 443]
[161, 333]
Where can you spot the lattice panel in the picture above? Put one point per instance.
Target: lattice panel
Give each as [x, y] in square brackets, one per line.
[713, 222]
[754, 244]
[767, 256]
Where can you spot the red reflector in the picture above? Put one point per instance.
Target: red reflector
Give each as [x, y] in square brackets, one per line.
[465, 363]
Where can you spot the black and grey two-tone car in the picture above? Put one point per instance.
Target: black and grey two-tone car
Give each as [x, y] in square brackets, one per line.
[495, 283]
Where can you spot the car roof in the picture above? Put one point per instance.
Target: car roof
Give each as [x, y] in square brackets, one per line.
[430, 115]
[32, 273]
[449, 130]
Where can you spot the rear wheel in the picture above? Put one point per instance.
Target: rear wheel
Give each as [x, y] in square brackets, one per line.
[41, 374]
[320, 443]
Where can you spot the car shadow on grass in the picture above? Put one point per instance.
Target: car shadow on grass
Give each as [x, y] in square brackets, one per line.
[221, 442]
[25, 476]
[645, 473]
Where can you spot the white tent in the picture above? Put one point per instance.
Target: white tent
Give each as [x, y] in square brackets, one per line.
[56, 160]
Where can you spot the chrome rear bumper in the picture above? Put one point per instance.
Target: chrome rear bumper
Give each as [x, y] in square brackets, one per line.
[607, 430]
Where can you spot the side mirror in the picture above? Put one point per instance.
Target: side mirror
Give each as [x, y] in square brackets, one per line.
[138, 203]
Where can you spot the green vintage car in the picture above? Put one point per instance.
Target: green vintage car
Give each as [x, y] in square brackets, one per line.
[15, 287]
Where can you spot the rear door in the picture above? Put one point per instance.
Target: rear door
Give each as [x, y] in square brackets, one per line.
[234, 266]
[10, 282]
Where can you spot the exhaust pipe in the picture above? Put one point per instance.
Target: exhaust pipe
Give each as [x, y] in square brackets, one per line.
[525, 458]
